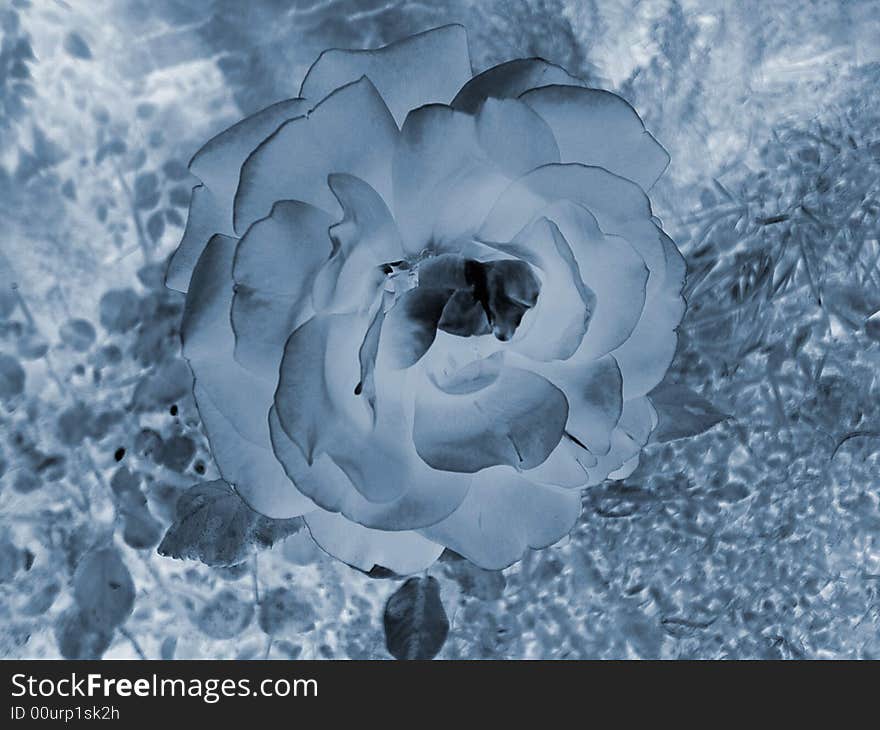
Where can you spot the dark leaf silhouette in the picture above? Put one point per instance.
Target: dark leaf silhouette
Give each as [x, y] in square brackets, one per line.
[415, 620]
[76, 46]
[79, 638]
[11, 377]
[215, 526]
[103, 588]
[682, 412]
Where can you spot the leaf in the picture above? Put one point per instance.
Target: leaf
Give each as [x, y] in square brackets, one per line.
[10, 559]
[682, 412]
[11, 377]
[103, 588]
[175, 170]
[415, 620]
[146, 190]
[78, 638]
[76, 46]
[156, 226]
[163, 386]
[281, 609]
[215, 526]
[169, 646]
[224, 616]
[120, 310]
[141, 529]
[79, 334]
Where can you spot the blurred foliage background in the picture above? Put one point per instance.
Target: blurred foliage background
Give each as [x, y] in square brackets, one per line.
[756, 539]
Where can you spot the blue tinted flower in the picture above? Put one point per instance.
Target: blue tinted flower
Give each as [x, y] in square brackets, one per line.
[424, 309]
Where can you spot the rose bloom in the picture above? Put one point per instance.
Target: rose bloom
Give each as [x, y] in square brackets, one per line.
[424, 309]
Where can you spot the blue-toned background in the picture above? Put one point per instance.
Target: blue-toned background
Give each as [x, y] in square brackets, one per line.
[757, 539]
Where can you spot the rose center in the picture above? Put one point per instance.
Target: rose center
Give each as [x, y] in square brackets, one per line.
[475, 297]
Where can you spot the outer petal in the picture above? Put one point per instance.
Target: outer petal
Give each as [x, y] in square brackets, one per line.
[566, 467]
[274, 266]
[427, 68]
[613, 271]
[514, 137]
[629, 437]
[351, 131]
[595, 396]
[217, 164]
[331, 488]
[509, 80]
[645, 357]
[505, 514]
[617, 204]
[206, 217]
[596, 127]
[450, 167]
[232, 402]
[403, 552]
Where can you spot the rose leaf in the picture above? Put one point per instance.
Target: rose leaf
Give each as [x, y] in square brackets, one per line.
[103, 588]
[415, 620]
[682, 412]
[215, 526]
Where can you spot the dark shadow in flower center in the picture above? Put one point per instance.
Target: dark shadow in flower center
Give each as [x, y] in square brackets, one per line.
[496, 296]
[463, 297]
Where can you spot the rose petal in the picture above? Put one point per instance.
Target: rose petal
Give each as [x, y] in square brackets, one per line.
[450, 167]
[624, 471]
[614, 201]
[515, 418]
[645, 357]
[275, 264]
[319, 412]
[613, 271]
[319, 372]
[330, 487]
[218, 163]
[279, 253]
[596, 127]
[566, 467]
[628, 438]
[514, 137]
[402, 552]
[427, 68]
[554, 327]
[411, 325]
[620, 208]
[351, 131]
[233, 403]
[443, 181]
[509, 80]
[504, 515]
[365, 239]
[261, 324]
[595, 395]
[206, 217]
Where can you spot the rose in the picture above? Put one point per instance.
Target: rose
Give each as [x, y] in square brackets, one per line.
[425, 309]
